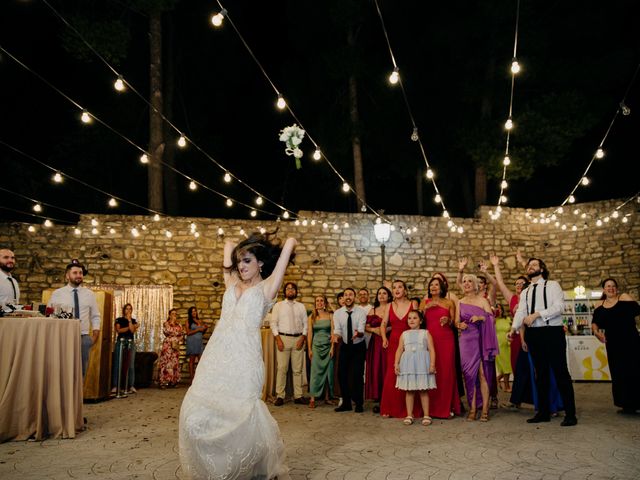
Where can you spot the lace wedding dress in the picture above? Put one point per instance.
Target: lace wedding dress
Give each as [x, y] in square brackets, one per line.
[226, 430]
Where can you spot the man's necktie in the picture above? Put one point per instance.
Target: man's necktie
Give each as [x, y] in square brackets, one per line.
[13, 285]
[533, 298]
[76, 303]
[349, 328]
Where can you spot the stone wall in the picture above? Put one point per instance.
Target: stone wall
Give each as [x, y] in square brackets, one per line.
[327, 260]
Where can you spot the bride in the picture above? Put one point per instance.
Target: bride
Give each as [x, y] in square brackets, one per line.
[226, 430]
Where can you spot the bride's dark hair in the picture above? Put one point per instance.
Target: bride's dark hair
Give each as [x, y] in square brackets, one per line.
[264, 246]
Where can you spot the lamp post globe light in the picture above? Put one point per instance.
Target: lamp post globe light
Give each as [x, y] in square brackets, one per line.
[382, 231]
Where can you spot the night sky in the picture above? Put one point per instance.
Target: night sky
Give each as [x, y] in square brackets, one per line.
[578, 60]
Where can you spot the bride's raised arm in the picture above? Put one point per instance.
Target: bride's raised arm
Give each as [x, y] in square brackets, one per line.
[273, 282]
[230, 276]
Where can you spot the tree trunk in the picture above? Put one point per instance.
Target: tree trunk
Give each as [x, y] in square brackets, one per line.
[170, 177]
[354, 115]
[156, 141]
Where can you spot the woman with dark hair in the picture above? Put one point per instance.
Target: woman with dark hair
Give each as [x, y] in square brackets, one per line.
[376, 359]
[614, 324]
[321, 351]
[226, 430]
[169, 362]
[440, 313]
[195, 329]
[126, 327]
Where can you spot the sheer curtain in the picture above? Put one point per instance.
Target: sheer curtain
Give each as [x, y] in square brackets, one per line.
[151, 305]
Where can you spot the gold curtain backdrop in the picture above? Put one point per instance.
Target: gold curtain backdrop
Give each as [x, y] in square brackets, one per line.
[151, 305]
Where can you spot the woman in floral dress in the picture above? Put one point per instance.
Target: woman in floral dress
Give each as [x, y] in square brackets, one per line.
[169, 363]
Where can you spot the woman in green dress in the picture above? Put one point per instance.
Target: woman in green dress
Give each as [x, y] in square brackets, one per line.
[503, 360]
[321, 351]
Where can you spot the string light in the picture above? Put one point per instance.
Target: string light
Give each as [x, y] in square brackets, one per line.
[182, 142]
[325, 225]
[168, 234]
[584, 181]
[135, 232]
[31, 229]
[119, 84]
[220, 231]
[259, 201]
[395, 76]
[437, 198]
[430, 174]
[77, 231]
[445, 214]
[335, 226]
[317, 155]
[143, 227]
[414, 135]
[217, 18]
[193, 185]
[572, 199]
[345, 187]
[503, 199]
[515, 66]
[57, 177]
[506, 161]
[112, 202]
[281, 104]
[503, 184]
[85, 117]
[94, 222]
[508, 125]
[112, 231]
[144, 158]
[227, 177]
[599, 153]
[254, 213]
[263, 230]
[625, 219]
[304, 222]
[285, 215]
[48, 223]
[296, 223]
[156, 218]
[94, 231]
[229, 202]
[346, 225]
[37, 208]
[196, 234]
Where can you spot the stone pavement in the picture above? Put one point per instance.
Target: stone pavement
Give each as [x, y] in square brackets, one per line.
[136, 438]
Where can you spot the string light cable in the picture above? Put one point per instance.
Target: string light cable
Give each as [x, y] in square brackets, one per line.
[396, 78]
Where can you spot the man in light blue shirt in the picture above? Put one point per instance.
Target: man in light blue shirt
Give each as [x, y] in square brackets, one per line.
[349, 322]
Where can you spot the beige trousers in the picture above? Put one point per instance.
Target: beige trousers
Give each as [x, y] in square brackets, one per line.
[290, 353]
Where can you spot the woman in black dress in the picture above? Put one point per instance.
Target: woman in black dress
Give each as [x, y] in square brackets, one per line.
[614, 324]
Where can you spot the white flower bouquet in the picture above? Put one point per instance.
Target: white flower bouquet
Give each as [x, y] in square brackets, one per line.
[292, 137]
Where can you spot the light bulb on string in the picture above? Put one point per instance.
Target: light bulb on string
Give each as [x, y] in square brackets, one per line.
[335, 226]
[572, 199]
[445, 214]
[253, 213]
[182, 141]
[57, 177]
[574, 228]
[196, 234]
[508, 125]
[242, 232]
[378, 221]
[583, 215]
[285, 215]
[262, 230]
[229, 202]
[119, 84]
[280, 103]
[135, 232]
[576, 211]
[345, 187]
[460, 230]
[156, 218]
[193, 227]
[48, 223]
[259, 201]
[450, 223]
[325, 225]
[503, 184]
[216, 19]
[112, 231]
[317, 154]
[143, 227]
[31, 229]
[94, 231]
[598, 223]
[85, 117]
[506, 161]
[144, 158]
[168, 234]
[395, 76]
[37, 208]
[94, 222]
[615, 214]
[193, 186]
[304, 222]
[560, 210]
[606, 219]
[313, 222]
[220, 231]
[453, 229]
[553, 216]
[515, 66]
[77, 231]
[112, 202]
[414, 135]
[599, 153]
[437, 198]
[625, 110]
[297, 222]
[346, 225]
[363, 208]
[429, 173]
[564, 227]
[499, 209]
[625, 219]
[503, 199]
[227, 177]
[584, 181]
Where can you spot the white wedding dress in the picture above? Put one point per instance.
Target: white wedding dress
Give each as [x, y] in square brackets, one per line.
[226, 430]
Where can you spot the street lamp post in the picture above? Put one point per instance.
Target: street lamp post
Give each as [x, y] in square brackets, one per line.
[382, 232]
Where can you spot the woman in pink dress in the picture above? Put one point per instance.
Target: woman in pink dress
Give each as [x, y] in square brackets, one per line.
[440, 314]
[393, 399]
[376, 359]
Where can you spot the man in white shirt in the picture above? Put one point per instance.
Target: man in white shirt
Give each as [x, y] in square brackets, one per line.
[9, 288]
[289, 327]
[85, 307]
[540, 310]
[348, 325]
[363, 303]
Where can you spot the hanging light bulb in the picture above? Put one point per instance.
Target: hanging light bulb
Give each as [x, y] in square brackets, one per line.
[363, 208]
[335, 226]
[112, 202]
[499, 209]
[553, 216]
[285, 215]
[437, 198]
[615, 214]
[325, 225]
[574, 228]
[262, 230]
[346, 225]
[313, 222]
[156, 218]
[584, 181]
[345, 187]
[220, 231]
[37, 208]
[395, 76]
[460, 230]
[506, 161]
[429, 173]
[135, 232]
[445, 214]
[182, 142]
[583, 215]
[94, 231]
[168, 234]
[253, 213]
[217, 19]
[242, 232]
[598, 223]
[503, 184]
[94, 222]
[281, 104]
[414, 135]
[193, 227]
[196, 234]
[297, 222]
[599, 153]
[317, 155]
[119, 84]
[227, 177]
[193, 185]
[625, 110]
[606, 219]
[48, 223]
[112, 231]
[508, 125]
[576, 211]
[560, 210]
[77, 231]
[57, 177]
[144, 227]
[304, 222]
[229, 202]
[259, 201]
[450, 223]
[31, 229]
[503, 199]
[144, 158]
[454, 229]
[572, 199]
[85, 117]
[515, 66]
[625, 219]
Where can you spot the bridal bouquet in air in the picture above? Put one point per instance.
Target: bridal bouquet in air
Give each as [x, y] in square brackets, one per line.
[292, 137]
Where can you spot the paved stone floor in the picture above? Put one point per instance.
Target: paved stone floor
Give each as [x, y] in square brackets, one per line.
[136, 438]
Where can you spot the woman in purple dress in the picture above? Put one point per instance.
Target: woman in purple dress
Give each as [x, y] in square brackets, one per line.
[478, 345]
[376, 359]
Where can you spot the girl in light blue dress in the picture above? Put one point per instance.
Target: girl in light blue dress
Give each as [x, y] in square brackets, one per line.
[415, 366]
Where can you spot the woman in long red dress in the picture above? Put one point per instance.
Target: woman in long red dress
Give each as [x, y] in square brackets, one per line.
[439, 312]
[393, 399]
[376, 359]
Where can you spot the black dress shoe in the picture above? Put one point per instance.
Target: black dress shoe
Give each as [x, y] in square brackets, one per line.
[279, 402]
[538, 419]
[301, 401]
[569, 422]
[358, 409]
[343, 408]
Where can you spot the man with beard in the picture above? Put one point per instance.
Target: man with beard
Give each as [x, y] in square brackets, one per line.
[85, 307]
[349, 322]
[289, 327]
[9, 288]
[540, 310]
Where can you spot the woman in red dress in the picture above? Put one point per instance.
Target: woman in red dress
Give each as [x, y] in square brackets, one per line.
[376, 359]
[393, 399]
[440, 312]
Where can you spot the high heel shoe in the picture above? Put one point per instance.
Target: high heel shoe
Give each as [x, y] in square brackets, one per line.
[312, 402]
[484, 417]
[472, 416]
